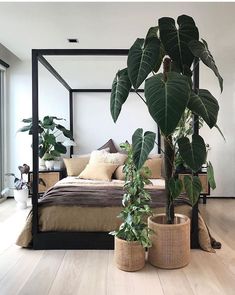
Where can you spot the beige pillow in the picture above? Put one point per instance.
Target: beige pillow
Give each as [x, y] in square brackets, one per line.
[75, 166]
[155, 166]
[105, 157]
[98, 171]
[119, 174]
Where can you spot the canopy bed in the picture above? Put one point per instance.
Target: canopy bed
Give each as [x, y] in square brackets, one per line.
[76, 238]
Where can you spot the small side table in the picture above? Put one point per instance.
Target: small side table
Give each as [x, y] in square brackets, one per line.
[49, 177]
[204, 181]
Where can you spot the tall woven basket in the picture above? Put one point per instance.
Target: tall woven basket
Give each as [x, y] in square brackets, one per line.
[170, 242]
[129, 256]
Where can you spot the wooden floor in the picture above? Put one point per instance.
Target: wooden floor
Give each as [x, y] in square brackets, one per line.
[93, 272]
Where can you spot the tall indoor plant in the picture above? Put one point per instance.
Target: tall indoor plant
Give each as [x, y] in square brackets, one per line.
[168, 95]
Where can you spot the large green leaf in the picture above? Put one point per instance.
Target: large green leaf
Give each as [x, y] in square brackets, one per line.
[220, 131]
[120, 91]
[175, 40]
[25, 128]
[142, 145]
[205, 105]
[59, 147]
[67, 133]
[194, 153]
[201, 50]
[153, 32]
[167, 101]
[28, 120]
[142, 59]
[211, 177]
[42, 151]
[193, 187]
[50, 139]
[175, 187]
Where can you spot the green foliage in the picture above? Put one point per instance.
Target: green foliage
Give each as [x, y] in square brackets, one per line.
[193, 153]
[48, 131]
[175, 187]
[205, 105]
[163, 100]
[201, 50]
[170, 97]
[135, 202]
[175, 40]
[193, 188]
[120, 91]
[210, 173]
[142, 59]
[142, 146]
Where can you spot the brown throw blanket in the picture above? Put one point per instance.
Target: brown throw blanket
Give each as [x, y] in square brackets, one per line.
[93, 196]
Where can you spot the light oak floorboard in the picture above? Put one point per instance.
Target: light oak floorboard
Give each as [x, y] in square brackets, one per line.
[145, 281]
[88, 272]
[70, 273]
[19, 274]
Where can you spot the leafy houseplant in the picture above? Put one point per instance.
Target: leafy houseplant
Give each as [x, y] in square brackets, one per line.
[21, 186]
[49, 147]
[169, 96]
[133, 232]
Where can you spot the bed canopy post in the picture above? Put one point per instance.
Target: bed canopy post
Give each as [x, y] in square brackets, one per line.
[194, 223]
[71, 117]
[35, 141]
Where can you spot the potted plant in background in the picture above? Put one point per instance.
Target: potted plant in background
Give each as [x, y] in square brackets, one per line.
[50, 148]
[21, 187]
[133, 235]
[168, 95]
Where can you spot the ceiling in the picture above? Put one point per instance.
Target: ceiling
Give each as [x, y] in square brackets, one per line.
[24, 26]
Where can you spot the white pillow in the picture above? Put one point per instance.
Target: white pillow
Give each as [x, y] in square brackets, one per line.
[105, 157]
[86, 155]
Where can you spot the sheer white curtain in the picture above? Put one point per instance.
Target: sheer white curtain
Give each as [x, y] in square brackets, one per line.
[2, 125]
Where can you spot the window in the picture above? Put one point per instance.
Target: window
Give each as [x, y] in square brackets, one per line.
[2, 124]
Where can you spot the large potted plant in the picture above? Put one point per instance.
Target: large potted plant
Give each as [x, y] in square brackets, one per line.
[171, 97]
[132, 237]
[50, 148]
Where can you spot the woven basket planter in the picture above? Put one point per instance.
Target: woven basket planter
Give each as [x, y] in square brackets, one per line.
[170, 242]
[129, 256]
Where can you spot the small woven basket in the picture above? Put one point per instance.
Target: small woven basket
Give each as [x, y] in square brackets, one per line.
[129, 256]
[170, 242]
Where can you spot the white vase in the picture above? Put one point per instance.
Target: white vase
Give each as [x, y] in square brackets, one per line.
[49, 165]
[21, 197]
[42, 165]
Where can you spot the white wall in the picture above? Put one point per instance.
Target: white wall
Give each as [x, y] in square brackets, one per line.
[93, 124]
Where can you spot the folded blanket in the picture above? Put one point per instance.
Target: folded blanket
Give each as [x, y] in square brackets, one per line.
[92, 196]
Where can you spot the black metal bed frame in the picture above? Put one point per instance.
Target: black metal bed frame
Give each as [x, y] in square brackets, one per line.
[76, 240]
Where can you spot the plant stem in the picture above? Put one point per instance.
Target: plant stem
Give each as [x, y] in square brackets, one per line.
[169, 160]
[140, 96]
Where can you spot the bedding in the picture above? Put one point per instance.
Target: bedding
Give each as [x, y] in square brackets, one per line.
[83, 205]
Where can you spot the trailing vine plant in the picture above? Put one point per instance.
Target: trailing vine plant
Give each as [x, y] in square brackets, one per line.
[135, 200]
[169, 96]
